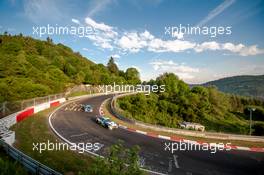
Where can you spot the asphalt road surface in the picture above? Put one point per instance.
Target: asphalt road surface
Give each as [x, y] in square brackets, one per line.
[80, 127]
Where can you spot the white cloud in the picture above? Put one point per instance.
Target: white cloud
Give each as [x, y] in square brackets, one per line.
[101, 41]
[233, 48]
[243, 50]
[215, 12]
[178, 35]
[100, 26]
[76, 21]
[183, 71]
[146, 35]
[207, 46]
[86, 49]
[132, 42]
[107, 37]
[115, 56]
[104, 35]
[158, 45]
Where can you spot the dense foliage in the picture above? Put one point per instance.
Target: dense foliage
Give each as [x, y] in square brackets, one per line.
[249, 85]
[208, 106]
[119, 161]
[33, 68]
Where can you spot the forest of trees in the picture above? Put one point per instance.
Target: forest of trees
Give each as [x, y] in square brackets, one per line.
[246, 85]
[33, 68]
[206, 105]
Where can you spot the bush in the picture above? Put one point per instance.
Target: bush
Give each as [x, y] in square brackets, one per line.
[258, 129]
[119, 161]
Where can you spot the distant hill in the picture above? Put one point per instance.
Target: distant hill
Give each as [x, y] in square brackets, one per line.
[246, 85]
[34, 68]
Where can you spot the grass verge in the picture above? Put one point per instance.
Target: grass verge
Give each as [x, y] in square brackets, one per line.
[9, 166]
[106, 109]
[35, 129]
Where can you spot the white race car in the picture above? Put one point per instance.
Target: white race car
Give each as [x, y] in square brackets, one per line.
[87, 108]
[106, 122]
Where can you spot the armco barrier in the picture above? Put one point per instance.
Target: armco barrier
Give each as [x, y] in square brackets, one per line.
[31, 165]
[8, 137]
[115, 112]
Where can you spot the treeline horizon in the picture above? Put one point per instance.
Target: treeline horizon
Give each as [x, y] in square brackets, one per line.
[33, 68]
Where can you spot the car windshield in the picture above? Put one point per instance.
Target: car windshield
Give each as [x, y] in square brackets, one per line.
[107, 120]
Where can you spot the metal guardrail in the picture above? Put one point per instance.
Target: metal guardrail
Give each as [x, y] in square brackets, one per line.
[7, 108]
[116, 112]
[30, 164]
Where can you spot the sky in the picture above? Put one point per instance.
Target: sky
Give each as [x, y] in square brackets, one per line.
[146, 34]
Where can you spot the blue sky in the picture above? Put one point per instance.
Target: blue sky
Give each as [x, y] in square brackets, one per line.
[134, 33]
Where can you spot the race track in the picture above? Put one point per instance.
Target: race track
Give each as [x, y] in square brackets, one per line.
[80, 127]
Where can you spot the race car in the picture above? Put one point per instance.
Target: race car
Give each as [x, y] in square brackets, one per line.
[87, 108]
[106, 122]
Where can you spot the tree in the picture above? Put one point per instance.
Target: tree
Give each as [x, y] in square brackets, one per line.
[49, 40]
[119, 161]
[258, 129]
[132, 76]
[112, 67]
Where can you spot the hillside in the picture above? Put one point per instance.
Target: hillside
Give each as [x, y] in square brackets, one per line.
[247, 85]
[33, 68]
[216, 110]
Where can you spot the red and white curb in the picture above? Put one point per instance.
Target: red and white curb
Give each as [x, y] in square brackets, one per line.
[179, 139]
[101, 111]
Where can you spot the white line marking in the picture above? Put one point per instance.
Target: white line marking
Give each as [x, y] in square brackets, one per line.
[141, 132]
[123, 127]
[78, 135]
[243, 148]
[164, 137]
[170, 166]
[176, 161]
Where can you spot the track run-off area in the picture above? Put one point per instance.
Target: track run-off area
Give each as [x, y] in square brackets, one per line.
[73, 125]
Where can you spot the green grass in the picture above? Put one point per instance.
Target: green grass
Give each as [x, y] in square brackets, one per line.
[35, 129]
[9, 166]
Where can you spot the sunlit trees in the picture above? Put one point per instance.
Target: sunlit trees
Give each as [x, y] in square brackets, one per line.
[112, 67]
[205, 105]
[132, 76]
[50, 68]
